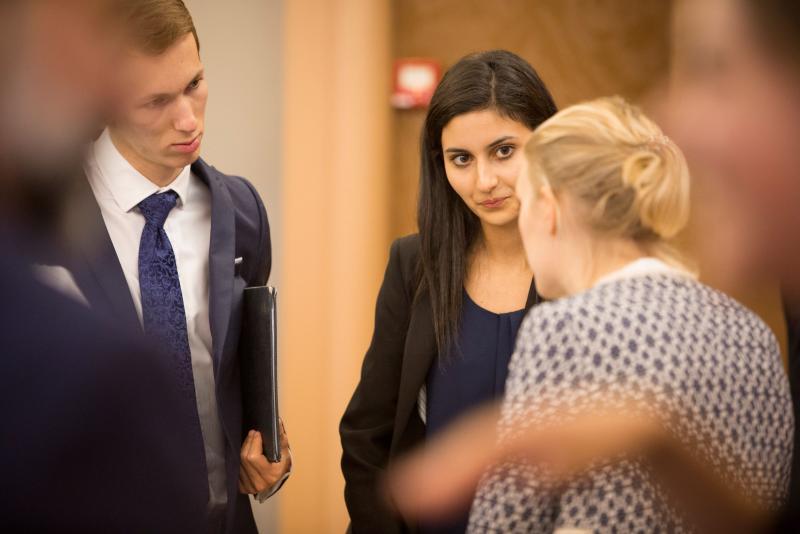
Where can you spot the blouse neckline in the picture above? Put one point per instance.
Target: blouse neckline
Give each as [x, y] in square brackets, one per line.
[484, 310]
[643, 267]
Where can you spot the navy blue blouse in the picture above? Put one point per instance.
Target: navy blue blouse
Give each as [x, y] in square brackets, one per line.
[470, 375]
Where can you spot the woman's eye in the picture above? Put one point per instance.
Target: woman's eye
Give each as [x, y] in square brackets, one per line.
[461, 160]
[504, 151]
[195, 84]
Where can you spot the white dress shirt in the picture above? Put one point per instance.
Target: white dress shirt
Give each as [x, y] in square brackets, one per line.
[119, 188]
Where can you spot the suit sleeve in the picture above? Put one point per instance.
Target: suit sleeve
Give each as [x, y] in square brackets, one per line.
[367, 426]
[263, 264]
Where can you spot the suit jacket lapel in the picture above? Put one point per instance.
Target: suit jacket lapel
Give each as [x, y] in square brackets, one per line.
[221, 258]
[94, 262]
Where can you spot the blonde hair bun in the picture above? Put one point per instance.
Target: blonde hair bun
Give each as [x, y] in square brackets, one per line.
[607, 153]
[659, 195]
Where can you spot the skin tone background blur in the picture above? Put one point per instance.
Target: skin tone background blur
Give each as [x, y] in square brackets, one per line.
[299, 104]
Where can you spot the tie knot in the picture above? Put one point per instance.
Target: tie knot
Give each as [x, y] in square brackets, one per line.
[157, 206]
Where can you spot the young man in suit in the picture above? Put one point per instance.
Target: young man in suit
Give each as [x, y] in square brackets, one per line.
[175, 243]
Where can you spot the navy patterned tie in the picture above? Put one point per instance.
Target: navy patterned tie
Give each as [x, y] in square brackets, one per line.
[163, 314]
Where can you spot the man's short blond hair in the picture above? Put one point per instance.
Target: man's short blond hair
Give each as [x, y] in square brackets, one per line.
[156, 25]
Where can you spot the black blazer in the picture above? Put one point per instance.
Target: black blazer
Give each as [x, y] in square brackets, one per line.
[239, 229]
[381, 421]
[789, 519]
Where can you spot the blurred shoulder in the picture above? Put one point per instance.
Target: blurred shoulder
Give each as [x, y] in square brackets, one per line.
[658, 306]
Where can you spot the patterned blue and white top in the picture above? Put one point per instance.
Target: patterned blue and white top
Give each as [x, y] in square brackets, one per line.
[656, 336]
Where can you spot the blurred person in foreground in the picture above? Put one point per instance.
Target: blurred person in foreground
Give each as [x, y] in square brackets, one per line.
[736, 112]
[174, 244]
[84, 405]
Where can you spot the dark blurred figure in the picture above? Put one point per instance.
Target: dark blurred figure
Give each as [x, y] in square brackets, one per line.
[93, 440]
[790, 519]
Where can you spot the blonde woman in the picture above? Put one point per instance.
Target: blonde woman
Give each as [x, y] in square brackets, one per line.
[631, 328]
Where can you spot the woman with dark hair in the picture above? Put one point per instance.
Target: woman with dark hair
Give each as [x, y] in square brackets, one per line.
[455, 294]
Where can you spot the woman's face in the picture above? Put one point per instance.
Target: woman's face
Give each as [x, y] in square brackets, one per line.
[482, 158]
[735, 111]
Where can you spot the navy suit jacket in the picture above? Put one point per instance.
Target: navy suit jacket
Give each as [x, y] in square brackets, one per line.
[93, 439]
[239, 228]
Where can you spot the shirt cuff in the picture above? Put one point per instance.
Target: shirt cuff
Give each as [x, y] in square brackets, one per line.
[269, 492]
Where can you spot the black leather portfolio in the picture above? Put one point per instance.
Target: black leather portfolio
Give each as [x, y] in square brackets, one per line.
[259, 367]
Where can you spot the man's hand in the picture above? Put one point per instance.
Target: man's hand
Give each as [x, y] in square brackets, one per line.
[256, 473]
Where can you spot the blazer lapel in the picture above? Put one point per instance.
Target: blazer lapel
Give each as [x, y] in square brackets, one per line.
[221, 257]
[419, 354]
[94, 263]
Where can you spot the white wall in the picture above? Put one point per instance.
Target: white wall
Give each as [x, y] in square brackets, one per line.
[240, 45]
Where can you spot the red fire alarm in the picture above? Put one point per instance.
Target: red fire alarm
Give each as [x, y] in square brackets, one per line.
[415, 81]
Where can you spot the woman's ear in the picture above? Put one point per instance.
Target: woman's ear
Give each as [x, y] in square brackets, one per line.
[548, 206]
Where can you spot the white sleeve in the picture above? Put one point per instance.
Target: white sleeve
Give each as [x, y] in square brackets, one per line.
[269, 492]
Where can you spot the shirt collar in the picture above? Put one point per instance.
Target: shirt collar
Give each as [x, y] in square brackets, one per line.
[128, 186]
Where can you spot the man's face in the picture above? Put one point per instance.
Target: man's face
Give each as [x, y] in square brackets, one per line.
[160, 127]
[736, 114]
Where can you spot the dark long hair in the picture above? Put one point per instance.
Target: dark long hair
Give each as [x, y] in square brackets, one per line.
[497, 80]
